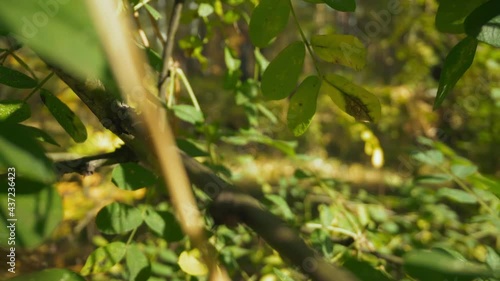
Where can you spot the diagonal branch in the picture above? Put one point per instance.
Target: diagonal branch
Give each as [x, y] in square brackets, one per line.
[87, 165]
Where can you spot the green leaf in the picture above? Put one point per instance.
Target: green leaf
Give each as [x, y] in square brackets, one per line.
[53, 274]
[280, 77]
[341, 5]
[433, 179]
[41, 25]
[64, 116]
[188, 113]
[231, 62]
[39, 135]
[325, 215]
[378, 213]
[205, 10]
[364, 271]
[457, 195]
[430, 157]
[118, 218]
[154, 59]
[351, 98]
[20, 150]
[247, 136]
[282, 206]
[37, 213]
[14, 111]
[152, 11]
[103, 258]
[456, 63]
[132, 176]
[463, 171]
[191, 148]
[303, 105]
[484, 23]
[268, 20]
[451, 14]
[281, 275]
[267, 113]
[490, 32]
[493, 261]
[262, 62]
[341, 49]
[14, 78]
[438, 266]
[480, 16]
[23, 185]
[138, 264]
[163, 224]
[486, 183]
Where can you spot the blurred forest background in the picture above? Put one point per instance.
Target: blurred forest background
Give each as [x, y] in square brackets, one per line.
[417, 179]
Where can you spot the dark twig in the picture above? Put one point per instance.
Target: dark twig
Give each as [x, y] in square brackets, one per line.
[87, 165]
[169, 48]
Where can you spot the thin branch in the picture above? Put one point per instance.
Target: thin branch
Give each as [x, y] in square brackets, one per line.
[389, 258]
[169, 48]
[87, 165]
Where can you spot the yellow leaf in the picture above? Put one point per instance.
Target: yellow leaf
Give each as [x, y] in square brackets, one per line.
[191, 264]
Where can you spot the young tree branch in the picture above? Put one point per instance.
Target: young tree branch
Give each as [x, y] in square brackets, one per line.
[87, 165]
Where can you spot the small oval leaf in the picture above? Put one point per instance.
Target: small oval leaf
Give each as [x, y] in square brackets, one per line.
[164, 224]
[456, 63]
[451, 14]
[457, 195]
[103, 258]
[118, 218]
[351, 98]
[268, 19]
[303, 105]
[188, 113]
[341, 49]
[64, 116]
[281, 75]
[40, 135]
[132, 176]
[191, 148]
[463, 171]
[430, 157]
[14, 111]
[16, 79]
[484, 23]
[138, 264]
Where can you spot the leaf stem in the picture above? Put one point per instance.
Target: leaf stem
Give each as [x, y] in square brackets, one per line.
[22, 63]
[304, 39]
[40, 85]
[131, 237]
[188, 88]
